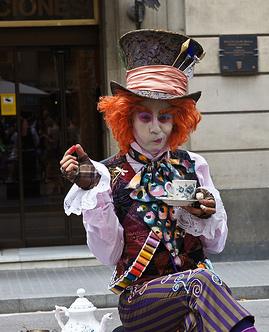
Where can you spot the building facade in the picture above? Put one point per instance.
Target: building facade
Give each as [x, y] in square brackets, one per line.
[50, 79]
[75, 64]
[233, 135]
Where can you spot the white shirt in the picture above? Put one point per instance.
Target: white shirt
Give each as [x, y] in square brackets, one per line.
[104, 231]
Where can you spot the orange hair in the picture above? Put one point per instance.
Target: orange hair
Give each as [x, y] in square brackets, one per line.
[118, 112]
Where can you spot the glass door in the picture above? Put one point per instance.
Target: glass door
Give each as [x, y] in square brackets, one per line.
[55, 93]
[10, 208]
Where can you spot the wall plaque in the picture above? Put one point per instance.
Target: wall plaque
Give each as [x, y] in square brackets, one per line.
[14, 13]
[238, 54]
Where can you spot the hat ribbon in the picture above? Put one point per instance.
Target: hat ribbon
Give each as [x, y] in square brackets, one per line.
[157, 78]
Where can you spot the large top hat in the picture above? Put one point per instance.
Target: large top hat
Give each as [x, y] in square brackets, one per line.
[159, 64]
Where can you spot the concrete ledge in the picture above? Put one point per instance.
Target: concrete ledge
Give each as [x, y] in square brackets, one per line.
[251, 292]
[24, 305]
[32, 290]
[47, 264]
[47, 257]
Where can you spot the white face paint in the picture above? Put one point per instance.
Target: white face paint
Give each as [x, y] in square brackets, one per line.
[152, 125]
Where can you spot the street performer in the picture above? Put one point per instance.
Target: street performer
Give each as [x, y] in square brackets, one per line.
[163, 276]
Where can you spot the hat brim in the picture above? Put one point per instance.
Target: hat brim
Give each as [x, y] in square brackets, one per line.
[116, 87]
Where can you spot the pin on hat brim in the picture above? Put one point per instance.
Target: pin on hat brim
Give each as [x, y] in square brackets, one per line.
[116, 88]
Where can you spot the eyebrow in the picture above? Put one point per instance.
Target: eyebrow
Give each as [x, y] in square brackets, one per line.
[140, 108]
[147, 110]
[166, 110]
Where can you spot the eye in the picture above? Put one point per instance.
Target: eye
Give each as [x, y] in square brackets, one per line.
[144, 116]
[165, 117]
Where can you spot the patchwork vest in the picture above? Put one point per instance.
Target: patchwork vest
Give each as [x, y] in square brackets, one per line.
[187, 249]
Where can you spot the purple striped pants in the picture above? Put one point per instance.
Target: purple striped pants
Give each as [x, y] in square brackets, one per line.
[193, 300]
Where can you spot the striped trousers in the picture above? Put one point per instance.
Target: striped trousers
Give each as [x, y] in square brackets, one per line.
[193, 300]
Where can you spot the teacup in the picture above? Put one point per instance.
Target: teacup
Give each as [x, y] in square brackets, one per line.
[181, 189]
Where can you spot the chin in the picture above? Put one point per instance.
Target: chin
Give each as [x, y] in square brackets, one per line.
[155, 152]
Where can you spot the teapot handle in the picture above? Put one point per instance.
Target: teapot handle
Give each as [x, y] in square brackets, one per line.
[58, 316]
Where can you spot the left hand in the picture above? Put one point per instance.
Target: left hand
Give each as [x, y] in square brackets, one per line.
[206, 204]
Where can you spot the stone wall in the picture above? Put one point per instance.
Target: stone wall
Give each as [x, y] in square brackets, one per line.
[233, 135]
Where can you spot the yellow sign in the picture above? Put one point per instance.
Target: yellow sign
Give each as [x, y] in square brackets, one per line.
[8, 104]
[14, 13]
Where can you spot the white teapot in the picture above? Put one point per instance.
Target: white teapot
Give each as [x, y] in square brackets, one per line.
[81, 316]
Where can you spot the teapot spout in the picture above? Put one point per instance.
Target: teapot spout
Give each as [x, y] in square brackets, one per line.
[105, 322]
[59, 309]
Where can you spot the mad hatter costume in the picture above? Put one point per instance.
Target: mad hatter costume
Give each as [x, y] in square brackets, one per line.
[162, 274]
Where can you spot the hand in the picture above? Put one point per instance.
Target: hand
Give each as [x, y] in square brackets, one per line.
[80, 169]
[206, 205]
[69, 163]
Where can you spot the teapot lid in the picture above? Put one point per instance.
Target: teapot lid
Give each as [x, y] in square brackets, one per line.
[81, 304]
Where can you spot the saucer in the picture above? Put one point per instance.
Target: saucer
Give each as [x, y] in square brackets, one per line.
[172, 201]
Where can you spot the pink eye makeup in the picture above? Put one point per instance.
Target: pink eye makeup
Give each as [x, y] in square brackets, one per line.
[145, 116]
[165, 117]
[148, 116]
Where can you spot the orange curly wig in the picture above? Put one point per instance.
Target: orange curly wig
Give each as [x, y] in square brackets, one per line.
[118, 112]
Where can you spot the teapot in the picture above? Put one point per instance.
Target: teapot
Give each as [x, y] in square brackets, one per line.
[81, 316]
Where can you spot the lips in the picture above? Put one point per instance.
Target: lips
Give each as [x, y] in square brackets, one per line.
[158, 141]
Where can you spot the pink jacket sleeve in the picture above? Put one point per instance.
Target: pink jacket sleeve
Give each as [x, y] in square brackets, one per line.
[104, 232]
[103, 229]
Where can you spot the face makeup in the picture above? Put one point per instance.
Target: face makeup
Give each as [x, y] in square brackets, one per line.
[152, 125]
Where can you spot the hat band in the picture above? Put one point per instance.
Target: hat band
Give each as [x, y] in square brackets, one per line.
[161, 78]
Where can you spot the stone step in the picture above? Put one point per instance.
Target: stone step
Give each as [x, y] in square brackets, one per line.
[46, 257]
[38, 278]
[40, 289]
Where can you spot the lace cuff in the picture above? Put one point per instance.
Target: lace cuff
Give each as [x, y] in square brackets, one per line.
[78, 199]
[197, 226]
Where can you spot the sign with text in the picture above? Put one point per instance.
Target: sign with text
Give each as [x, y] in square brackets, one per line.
[8, 104]
[238, 54]
[48, 12]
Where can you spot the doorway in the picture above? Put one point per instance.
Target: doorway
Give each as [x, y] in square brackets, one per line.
[48, 103]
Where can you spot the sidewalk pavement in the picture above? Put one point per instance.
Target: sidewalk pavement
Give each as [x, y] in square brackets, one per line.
[35, 279]
[47, 321]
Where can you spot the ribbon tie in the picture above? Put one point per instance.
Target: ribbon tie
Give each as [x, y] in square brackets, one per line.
[149, 182]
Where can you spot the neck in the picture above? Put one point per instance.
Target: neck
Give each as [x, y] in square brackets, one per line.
[148, 154]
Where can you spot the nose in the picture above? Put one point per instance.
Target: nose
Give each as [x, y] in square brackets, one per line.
[155, 125]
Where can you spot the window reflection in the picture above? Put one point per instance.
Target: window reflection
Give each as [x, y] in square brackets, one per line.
[33, 140]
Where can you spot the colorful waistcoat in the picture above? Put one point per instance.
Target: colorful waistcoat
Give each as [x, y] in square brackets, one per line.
[178, 250]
